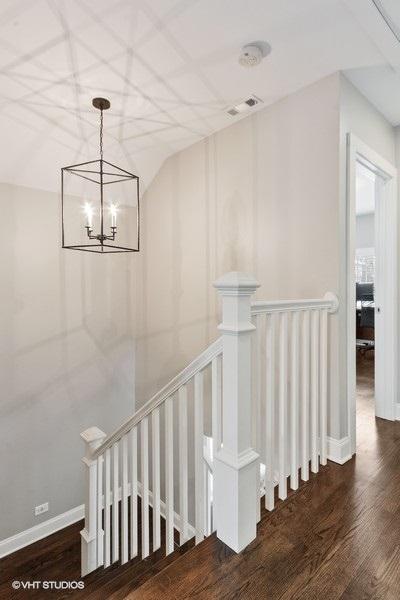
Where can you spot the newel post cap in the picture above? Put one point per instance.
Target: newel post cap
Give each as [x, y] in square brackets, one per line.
[236, 282]
[93, 438]
[93, 434]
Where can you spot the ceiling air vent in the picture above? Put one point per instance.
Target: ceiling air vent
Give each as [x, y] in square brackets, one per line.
[244, 106]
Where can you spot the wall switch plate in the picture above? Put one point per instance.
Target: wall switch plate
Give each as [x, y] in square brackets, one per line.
[42, 508]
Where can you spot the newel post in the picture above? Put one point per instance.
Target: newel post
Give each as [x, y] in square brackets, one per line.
[236, 463]
[93, 438]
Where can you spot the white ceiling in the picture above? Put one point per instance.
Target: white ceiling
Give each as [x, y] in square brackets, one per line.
[380, 83]
[170, 69]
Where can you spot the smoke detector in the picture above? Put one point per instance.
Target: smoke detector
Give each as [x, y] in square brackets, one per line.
[252, 54]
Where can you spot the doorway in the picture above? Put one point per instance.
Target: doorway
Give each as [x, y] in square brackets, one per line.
[371, 283]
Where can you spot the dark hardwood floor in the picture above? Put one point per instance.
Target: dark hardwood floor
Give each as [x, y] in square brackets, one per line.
[337, 537]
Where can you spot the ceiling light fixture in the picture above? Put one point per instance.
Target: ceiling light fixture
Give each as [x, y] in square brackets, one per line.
[100, 191]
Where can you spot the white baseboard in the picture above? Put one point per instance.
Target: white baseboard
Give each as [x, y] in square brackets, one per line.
[339, 451]
[40, 531]
[397, 411]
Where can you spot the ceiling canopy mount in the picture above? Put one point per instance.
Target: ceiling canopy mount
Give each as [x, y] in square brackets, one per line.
[101, 103]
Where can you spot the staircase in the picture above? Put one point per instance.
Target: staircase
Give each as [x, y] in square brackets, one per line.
[244, 416]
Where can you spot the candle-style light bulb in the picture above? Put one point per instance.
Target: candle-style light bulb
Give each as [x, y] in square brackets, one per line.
[113, 212]
[89, 215]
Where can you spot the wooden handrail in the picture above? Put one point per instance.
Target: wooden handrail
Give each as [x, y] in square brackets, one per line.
[198, 364]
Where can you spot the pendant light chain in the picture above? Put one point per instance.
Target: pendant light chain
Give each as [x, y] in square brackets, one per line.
[101, 134]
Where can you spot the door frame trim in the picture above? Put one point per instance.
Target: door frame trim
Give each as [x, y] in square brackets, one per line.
[357, 150]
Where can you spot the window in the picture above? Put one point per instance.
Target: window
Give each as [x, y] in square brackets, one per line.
[365, 265]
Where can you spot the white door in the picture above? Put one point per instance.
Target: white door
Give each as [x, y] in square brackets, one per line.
[385, 297]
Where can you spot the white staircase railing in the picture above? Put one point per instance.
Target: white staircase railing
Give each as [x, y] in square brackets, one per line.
[290, 390]
[139, 460]
[265, 396]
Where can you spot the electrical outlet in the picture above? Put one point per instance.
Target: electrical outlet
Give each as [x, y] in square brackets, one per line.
[42, 508]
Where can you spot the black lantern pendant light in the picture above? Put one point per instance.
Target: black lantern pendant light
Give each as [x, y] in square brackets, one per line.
[94, 196]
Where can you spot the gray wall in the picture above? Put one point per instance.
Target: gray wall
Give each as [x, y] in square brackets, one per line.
[67, 356]
[268, 196]
[260, 196]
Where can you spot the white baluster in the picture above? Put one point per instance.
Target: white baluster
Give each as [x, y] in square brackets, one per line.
[270, 413]
[207, 499]
[144, 451]
[314, 389]
[294, 402]
[282, 416]
[124, 501]
[199, 454]
[134, 493]
[107, 508]
[210, 522]
[115, 505]
[324, 385]
[100, 531]
[169, 476]
[183, 464]
[305, 395]
[256, 403]
[216, 395]
[155, 431]
[93, 438]
[236, 463]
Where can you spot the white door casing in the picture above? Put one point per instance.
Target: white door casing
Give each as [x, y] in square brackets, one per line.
[386, 333]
